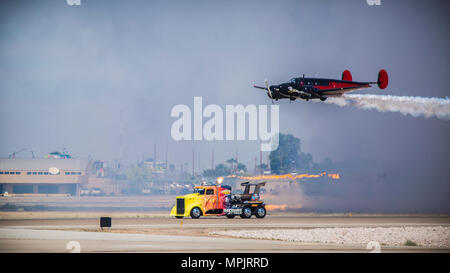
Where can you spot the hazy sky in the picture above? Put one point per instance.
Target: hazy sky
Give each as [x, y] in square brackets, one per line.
[66, 72]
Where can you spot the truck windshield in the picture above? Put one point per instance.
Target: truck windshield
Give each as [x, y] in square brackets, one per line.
[199, 191]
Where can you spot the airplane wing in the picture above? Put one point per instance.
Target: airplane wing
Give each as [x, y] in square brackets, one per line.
[289, 96]
[332, 92]
[342, 90]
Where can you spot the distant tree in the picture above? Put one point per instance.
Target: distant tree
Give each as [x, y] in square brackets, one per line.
[241, 167]
[325, 165]
[262, 167]
[220, 170]
[288, 157]
[231, 161]
[284, 158]
[137, 176]
[304, 162]
[209, 173]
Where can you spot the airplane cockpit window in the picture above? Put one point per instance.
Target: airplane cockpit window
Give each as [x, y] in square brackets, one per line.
[293, 80]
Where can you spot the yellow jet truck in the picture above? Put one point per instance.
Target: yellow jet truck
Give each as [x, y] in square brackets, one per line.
[217, 200]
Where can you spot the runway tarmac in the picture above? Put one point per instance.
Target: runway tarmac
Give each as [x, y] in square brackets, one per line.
[162, 234]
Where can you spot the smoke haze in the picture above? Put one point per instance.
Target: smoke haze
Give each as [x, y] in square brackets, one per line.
[67, 72]
[414, 106]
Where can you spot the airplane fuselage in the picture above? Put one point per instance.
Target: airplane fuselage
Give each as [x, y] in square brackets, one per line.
[314, 88]
[320, 88]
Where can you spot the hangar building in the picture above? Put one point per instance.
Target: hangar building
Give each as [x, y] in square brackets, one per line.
[43, 175]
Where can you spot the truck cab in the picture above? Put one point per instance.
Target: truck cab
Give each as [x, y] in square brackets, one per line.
[205, 200]
[217, 200]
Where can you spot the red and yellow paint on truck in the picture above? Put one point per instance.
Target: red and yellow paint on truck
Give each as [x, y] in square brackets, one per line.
[217, 200]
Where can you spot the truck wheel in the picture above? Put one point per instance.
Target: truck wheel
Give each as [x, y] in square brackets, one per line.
[179, 217]
[260, 212]
[195, 213]
[230, 216]
[246, 212]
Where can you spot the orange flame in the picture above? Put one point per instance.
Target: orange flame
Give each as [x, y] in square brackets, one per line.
[219, 180]
[286, 176]
[282, 207]
[334, 176]
[276, 207]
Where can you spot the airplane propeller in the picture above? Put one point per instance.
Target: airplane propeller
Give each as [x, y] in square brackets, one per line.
[269, 92]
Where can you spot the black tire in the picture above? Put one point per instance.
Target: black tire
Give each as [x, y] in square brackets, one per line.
[230, 216]
[246, 213]
[196, 213]
[260, 212]
[179, 217]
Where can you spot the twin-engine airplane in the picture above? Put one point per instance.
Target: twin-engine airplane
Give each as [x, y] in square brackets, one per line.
[317, 88]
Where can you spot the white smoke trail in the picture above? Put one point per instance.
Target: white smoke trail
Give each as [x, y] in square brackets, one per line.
[415, 106]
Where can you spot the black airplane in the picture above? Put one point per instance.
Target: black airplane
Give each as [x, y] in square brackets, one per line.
[318, 88]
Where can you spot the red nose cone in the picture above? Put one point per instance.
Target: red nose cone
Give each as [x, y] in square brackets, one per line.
[383, 79]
